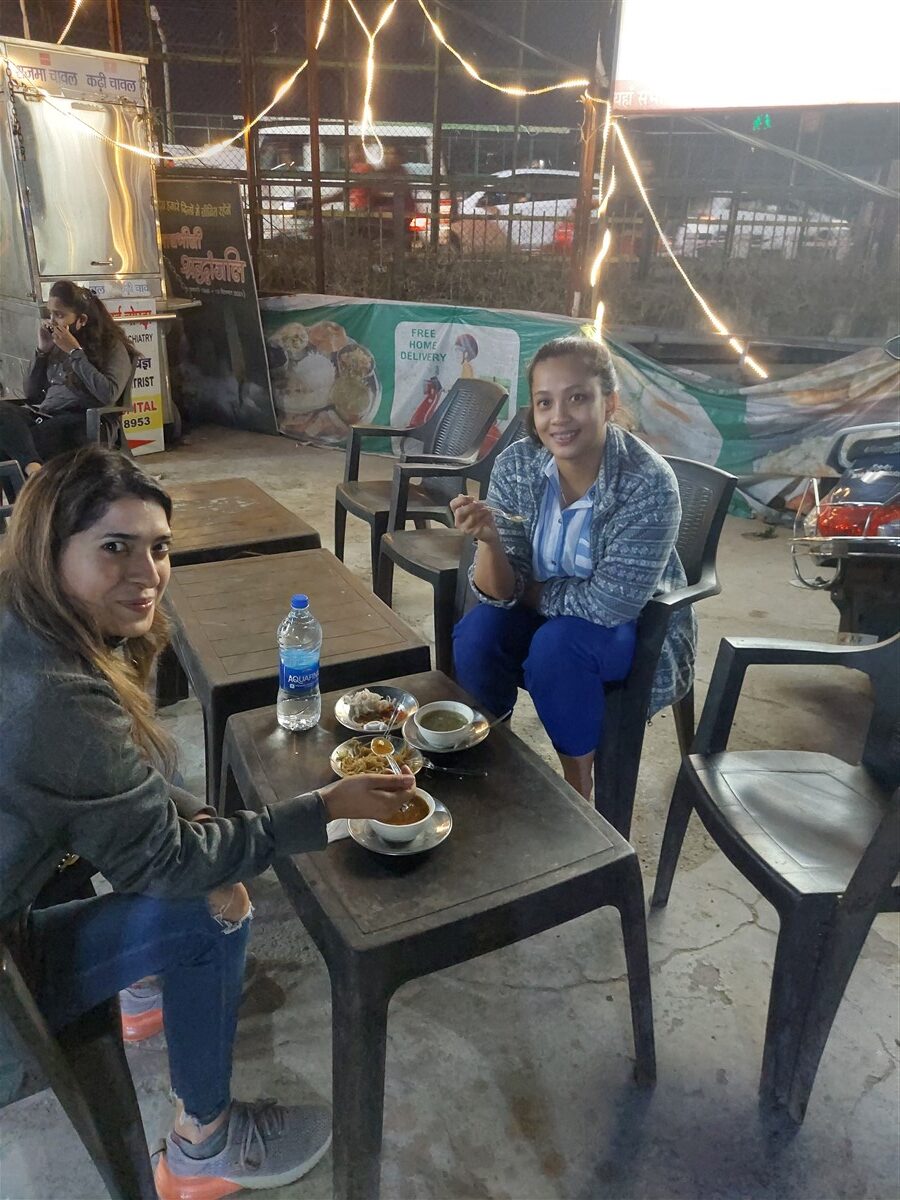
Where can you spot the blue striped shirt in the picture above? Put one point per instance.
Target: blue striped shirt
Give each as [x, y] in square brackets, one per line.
[561, 546]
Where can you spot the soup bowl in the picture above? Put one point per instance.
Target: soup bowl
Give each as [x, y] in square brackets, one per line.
[444, 723]
[406, 831]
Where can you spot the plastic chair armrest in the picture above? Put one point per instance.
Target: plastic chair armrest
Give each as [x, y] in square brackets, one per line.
[354, 444]
[403, 474]
[95, 415]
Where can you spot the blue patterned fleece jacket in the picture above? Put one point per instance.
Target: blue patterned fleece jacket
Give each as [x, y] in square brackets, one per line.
[633, 531]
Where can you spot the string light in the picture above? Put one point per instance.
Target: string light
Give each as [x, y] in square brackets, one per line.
[506, 89]
[366, 125]
[212, 147]
[717, 323]
[606, 242]
[72, 15]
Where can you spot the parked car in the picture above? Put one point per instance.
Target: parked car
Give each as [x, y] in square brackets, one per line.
[761, 227]
[534, 209]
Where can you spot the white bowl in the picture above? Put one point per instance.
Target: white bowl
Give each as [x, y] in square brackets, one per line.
[404, 833]
[445, 740]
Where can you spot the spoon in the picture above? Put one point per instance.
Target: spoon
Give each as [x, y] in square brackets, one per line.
[515, 518]
[384, 747]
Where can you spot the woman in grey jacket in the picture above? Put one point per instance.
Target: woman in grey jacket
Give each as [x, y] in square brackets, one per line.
[83, 360]
[84, 771]
[596, 515]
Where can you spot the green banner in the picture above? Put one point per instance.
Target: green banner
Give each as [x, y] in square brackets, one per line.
[337, 362]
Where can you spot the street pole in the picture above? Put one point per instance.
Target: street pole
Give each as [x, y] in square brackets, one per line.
[114, 25]
[312, 91]
[248, 93]
[601, 86]
[167, 85]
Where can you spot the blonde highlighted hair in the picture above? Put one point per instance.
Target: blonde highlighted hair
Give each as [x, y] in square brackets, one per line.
[68, 495]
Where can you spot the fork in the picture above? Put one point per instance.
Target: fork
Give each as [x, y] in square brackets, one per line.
[513, 518]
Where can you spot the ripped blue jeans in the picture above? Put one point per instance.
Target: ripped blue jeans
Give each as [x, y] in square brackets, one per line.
[89, 950]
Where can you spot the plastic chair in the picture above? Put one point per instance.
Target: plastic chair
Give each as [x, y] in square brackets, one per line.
[86, 1067]
[818, 837]
[433, 554]
[104, 425]
[705, 495]
[454, 432]
[11, 483]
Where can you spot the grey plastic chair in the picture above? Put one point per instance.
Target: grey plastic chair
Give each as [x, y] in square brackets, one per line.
[433, 554]
[11, 483]
[86, 1067]
[453, 433]
[104, 425]
[817, 836]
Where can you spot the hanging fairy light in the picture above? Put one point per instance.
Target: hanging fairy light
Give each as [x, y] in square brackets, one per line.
[506, 89]
[371, 142]
[717, 323]
[212, 147]
[72, 15]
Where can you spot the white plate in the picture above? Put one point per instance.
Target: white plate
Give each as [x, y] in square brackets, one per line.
[415, 763]
[407, 700]
[432, 835]
[479, 731]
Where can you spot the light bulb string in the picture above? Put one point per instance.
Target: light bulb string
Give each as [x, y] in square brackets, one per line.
[72, 15]
[367, 124]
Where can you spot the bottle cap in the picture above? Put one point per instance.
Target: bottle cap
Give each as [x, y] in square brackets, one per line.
[299, 601]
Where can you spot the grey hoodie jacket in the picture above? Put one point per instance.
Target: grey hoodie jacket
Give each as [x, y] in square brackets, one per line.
[72, 780]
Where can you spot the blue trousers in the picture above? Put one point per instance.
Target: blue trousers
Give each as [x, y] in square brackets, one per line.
[563, 662]
[89, 950]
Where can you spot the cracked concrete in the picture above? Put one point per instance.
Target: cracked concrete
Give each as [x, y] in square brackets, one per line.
[509, 1078]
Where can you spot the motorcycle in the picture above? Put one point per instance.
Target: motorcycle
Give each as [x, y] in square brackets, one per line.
[853, 530]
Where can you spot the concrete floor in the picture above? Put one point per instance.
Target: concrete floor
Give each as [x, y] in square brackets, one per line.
[510, 1077]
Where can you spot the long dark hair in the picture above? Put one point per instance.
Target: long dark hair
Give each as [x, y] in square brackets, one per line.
[593, 354]
[100, 332]
[65, 497]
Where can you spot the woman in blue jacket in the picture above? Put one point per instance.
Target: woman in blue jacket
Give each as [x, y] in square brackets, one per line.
[560, 589]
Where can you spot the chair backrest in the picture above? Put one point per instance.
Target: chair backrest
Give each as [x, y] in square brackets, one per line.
[462, 421]
[881, 753]
[480, 471]
[705, 495]
[11, 483]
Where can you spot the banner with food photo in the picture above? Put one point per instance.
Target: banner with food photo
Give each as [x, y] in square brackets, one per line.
[339, 361]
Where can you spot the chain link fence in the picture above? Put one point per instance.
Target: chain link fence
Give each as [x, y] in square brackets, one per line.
[474, 199]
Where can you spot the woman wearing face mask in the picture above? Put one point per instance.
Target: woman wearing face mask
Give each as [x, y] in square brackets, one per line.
[561, 592]
[84, 770]
[83, 360]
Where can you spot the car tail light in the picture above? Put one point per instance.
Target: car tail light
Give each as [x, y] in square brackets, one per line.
[564, 234]
[884, 521]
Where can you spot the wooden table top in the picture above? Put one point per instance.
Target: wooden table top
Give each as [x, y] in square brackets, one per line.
[223, 518]
[518, 832]
[225, 615]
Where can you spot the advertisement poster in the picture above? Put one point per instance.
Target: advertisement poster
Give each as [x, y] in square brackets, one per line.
[143, 423]
[217, 357]
[343, 361]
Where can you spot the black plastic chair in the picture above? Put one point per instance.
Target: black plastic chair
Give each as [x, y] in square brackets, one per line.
[104, 425]
[11, 483]
[454, 432]
[433, 554]
[818, 837]
[86, 1067]
[705, 495]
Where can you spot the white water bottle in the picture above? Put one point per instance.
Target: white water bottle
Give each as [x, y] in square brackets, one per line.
[299, 644]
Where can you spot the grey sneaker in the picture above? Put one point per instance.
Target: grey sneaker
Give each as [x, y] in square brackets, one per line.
[268, 1146]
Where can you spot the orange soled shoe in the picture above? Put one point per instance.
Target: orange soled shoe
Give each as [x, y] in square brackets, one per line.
[267, 1145]
[141, 1009]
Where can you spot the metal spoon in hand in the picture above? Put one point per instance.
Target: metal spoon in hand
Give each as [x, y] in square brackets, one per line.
[384, 747]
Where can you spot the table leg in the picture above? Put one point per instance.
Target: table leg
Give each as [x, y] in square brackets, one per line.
[215, 718]
[171, 681]
[637, 960]
[359, 1028]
